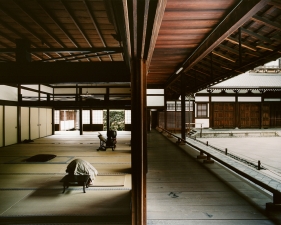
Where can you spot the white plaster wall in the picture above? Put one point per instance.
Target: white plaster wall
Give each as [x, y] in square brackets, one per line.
[249, 99]
[46, 89]
[201, 99]
[64, 90]
[223, 99]
[28, 93]
[8, 93]
[205, 123]
[155, 100]
[32, 86]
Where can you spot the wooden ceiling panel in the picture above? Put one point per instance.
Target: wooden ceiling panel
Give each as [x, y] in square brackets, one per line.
[200, 36]
[200, 4]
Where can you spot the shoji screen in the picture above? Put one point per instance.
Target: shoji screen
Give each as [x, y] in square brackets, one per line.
[10, 125]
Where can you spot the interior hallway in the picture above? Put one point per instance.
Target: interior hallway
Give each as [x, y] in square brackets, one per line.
[181, 191]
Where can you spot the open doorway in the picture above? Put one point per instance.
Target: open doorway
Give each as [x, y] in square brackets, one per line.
[92, 120]
[116, 120]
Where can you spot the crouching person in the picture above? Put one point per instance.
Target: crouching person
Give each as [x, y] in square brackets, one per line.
[82, 167]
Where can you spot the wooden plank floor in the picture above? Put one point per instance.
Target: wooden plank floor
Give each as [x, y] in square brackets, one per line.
[182, 191]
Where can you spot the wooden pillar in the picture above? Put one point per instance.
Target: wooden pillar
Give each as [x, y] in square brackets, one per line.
[53, 121]
[261, 110]
[80, 121]
[19, 114]
[91, 119]
[19, 124]
[22, 54]
[107, 120]
[211, 111]
[138, 143]
[107, 110]
[236, 110]
[183, 133]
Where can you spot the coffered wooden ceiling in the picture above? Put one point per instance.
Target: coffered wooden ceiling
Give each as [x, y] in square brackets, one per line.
[191, 44]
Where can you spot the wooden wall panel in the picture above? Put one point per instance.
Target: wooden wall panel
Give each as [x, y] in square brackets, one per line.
[265, 115]
[249, 115]
[275, 114]
[224, 115]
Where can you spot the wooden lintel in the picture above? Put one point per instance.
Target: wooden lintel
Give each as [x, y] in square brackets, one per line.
[63, 72]
[63, 50]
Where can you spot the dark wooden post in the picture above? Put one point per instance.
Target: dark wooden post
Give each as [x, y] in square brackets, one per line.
[22, 54]
[236, 114]
[53, 121]
[183, 133]
[138, 142]
[91, 119]
[107, 120]
[80, 121]
[19, 114]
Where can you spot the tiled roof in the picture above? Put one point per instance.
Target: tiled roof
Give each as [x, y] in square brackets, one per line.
[252, 80]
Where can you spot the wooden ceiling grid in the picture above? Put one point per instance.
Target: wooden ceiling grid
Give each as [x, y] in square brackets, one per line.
[210, 40]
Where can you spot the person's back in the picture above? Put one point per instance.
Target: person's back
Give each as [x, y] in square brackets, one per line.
[81, 167]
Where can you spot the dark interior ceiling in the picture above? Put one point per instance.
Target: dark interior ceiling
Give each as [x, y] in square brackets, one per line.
[195, 43]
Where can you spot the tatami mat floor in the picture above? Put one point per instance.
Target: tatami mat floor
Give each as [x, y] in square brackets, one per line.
[31, 193]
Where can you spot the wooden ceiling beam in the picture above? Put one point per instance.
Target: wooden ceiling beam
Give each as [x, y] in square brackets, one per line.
[235, 19]
[93, 19]
[58, 23]
[74, 20]
[79, 56]
[258, 36]
[36, 21]
[66, 50]
[275, 3]
[243, 44]
[226, 48]
[224, 56]
[63, 72]
[9, 14]
[156, 27]
[267, 22]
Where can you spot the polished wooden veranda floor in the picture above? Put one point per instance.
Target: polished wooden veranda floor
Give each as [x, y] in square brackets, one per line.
[179, 189]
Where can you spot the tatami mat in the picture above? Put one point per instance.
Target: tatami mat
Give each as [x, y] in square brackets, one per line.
[72, 202]
[33, 189]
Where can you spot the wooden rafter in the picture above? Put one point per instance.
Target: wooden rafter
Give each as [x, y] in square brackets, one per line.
[231, 22]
